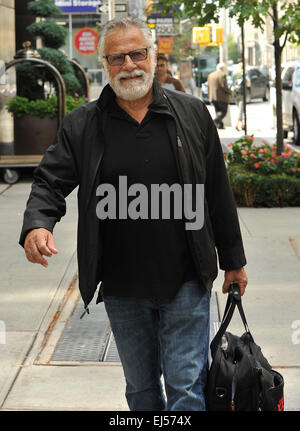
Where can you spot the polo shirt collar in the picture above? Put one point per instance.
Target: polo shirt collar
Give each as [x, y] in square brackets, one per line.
[158, 104]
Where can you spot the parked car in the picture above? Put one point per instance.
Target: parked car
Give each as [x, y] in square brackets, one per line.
[290, 99]
[257, 85]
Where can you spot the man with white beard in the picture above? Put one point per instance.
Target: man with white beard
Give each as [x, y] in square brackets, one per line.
[156, 275]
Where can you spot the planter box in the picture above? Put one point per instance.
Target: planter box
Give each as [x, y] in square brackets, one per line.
[33, 135]
[255, 190]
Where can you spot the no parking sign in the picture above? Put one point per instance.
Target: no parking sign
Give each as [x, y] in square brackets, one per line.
[86, 41]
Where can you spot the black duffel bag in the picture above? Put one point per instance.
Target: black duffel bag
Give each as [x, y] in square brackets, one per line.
[240, 378]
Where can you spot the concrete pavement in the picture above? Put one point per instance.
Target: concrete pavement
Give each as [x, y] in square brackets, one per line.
[36, 304]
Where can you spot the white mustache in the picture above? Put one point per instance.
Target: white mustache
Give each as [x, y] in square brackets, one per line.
[133, 74]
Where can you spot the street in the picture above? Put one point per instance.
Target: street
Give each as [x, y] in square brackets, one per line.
[260, 123]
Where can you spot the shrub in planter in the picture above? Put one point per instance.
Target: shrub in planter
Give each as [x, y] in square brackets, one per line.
[261, 178]
[253, 189]
[30, 79]
[35, 122]
[40, 108]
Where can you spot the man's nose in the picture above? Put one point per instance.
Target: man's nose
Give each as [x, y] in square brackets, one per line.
[128, 63]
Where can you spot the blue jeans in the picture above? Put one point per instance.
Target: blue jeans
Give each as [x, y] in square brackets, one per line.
[168, 337]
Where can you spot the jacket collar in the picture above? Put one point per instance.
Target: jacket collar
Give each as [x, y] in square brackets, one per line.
[159, 103]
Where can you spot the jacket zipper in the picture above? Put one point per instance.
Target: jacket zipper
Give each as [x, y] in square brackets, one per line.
[189, 238]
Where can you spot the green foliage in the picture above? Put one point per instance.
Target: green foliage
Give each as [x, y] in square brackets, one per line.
[43, 8]
[52, 34]
[40, 108]
[57, 59]
[261, 178]
[263, 159]
[31, 79]
[256, 11]
[71, 82]
[252, 189]
[62, 64]
[73, 103]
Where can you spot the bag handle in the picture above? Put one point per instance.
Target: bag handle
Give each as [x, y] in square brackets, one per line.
[233, 300]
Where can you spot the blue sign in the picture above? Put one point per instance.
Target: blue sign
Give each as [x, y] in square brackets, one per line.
[78, 6]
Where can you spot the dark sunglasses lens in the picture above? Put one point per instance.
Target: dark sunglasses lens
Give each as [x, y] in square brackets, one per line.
[118, 59]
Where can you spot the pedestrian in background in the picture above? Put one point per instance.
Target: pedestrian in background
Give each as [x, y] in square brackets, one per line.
[163, 77]
[192, 85]
[219, 93]
[239, 97]
[156, 274]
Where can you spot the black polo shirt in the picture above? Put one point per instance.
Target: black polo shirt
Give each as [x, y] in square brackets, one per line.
[143, 258]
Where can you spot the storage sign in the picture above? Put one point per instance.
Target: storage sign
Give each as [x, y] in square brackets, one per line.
[78, 6]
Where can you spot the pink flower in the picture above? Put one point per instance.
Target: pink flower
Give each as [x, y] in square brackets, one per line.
[252, 155]
[244, 152]
[256, 165]
[262, 150]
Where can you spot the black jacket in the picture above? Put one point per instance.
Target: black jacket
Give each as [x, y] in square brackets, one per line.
[75, 160]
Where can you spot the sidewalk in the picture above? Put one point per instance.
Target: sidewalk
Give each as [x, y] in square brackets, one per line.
[37, 304]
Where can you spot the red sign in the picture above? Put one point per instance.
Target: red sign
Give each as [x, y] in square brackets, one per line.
[165, 45]
[86, 41]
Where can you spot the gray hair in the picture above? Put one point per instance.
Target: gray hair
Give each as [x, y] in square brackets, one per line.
[124, 23]
[220, 66]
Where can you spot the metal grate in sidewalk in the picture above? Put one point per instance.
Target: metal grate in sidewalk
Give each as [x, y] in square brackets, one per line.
[90, 339]
[84, 339]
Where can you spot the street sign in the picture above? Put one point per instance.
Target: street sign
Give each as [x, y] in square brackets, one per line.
[121, 7]
[162, 24]
[165, 44]
[209, 35]
[77, 6]
[201, 35]
[103, 8]
[86, 41]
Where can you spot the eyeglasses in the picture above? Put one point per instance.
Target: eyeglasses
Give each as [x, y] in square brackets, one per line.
[135, 56]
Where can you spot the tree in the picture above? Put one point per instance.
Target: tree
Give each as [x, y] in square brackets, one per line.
[285, 15]
[31, 80]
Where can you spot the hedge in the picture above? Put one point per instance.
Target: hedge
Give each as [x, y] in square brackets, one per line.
[252, 189]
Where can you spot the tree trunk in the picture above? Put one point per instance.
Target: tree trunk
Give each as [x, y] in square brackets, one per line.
[277, 52]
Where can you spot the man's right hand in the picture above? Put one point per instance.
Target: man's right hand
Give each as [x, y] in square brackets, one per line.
[38, 243]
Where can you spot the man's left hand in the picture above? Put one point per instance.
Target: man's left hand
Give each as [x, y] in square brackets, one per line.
[238, 276]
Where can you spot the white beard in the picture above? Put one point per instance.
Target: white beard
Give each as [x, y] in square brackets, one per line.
[133, 89]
